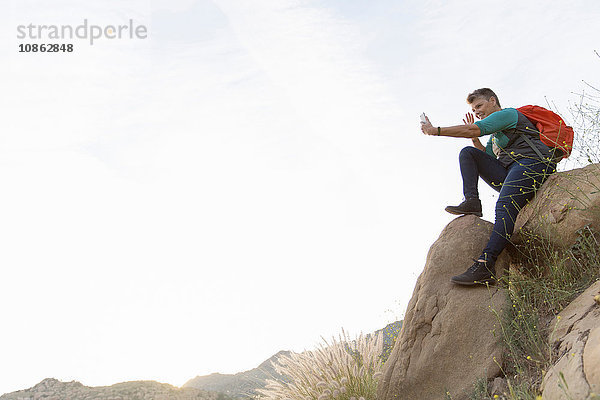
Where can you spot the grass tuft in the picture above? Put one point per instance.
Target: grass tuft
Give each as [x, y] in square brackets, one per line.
[340, 369]
[535, 297]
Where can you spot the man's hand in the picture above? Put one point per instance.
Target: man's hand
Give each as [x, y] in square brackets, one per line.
[427, 128]
[469, 119]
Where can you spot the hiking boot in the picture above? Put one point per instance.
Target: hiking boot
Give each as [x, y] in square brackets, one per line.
[469, 206]
[479, 272]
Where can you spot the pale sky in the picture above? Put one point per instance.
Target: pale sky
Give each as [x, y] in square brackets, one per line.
[248, 178]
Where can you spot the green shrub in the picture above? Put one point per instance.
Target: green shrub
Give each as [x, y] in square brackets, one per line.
[535, 296]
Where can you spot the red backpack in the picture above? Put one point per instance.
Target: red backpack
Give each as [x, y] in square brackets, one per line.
[554, 132]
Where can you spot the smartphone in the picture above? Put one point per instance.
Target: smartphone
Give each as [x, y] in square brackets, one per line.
[423, 118]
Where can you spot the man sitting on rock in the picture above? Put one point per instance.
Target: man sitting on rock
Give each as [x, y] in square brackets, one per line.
[508, 164]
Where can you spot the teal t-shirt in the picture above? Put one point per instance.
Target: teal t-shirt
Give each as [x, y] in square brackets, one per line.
[494, 124]
[507, 127]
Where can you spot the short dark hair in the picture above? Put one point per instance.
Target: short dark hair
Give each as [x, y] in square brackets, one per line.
[486, 93]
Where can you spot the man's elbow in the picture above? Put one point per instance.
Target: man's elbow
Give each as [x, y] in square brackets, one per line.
[474, 131]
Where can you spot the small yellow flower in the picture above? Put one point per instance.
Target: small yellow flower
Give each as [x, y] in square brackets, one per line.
[529, 357]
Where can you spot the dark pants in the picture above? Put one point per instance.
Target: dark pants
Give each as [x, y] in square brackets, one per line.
[517, 185]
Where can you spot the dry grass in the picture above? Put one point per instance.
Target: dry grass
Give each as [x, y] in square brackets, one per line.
[342, 369]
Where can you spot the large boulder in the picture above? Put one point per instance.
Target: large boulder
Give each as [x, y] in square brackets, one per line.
[566, 202]
[451, 336]
[576, 338]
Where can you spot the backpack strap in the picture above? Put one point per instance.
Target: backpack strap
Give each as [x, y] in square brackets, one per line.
[556, 153]
[528, 139]
[530, 143]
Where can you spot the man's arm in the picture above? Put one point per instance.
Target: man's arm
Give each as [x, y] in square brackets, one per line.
[464, 131]
[477, 144]
[470, 119]
[500, 120]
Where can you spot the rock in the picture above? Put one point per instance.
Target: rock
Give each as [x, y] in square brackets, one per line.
[591, 360]
[576, 337]
[498, 387]
[566, 202]
[448, 339]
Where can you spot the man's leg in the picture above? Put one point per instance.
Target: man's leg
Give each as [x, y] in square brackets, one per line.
[475, 163]
[523, 179]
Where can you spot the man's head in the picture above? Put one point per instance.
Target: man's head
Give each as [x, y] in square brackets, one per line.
[483, 102]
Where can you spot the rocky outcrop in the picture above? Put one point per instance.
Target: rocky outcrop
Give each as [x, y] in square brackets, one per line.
[52, 389]
[576, 339]
[567, 202]
[448, 338]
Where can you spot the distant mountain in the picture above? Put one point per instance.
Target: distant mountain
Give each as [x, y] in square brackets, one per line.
[140, 390]
[209, 387]
[244, 384]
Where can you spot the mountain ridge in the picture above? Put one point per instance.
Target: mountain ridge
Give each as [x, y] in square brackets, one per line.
[215, 386]
[244, 384]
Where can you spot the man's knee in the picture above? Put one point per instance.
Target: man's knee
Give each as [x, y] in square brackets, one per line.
[467, 152]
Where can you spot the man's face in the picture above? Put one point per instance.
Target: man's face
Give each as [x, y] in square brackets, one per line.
[482, 107]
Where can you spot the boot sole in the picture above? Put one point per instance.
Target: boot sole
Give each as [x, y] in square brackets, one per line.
[479, 214]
